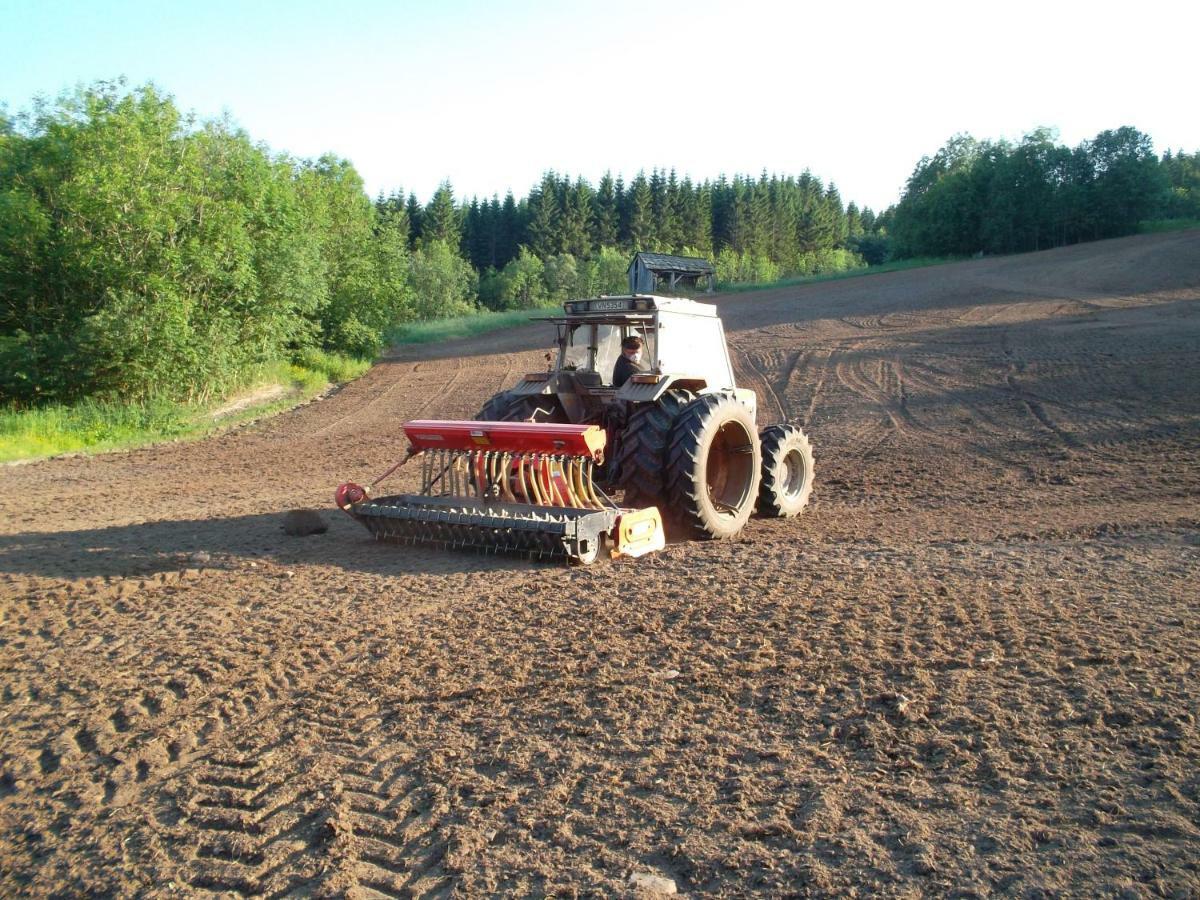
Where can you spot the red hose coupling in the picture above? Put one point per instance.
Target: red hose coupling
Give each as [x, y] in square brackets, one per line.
[348, 494]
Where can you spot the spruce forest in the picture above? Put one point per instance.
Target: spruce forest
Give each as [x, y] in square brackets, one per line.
[145, 254]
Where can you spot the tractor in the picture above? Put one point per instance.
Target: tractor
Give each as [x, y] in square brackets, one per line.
[536, 471]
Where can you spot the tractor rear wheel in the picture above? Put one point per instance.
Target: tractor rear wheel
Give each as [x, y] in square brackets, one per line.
[536, 408]
[494, 409]
[713, 467]
[508, 407]
[641, 458]
[787, 471]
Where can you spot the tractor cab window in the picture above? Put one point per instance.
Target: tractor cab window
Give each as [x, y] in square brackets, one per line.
[608, 348]
[595, 348]
[575, 348]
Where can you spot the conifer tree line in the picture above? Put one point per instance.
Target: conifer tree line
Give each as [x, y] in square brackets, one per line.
[144, 253]
[754, 228]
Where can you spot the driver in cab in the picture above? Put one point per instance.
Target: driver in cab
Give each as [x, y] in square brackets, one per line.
[629, 362]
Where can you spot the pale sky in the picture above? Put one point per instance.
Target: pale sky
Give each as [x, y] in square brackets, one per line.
[491, 94]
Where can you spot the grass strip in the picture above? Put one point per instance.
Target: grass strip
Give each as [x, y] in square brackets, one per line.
[483, 322]
[462, 326]
[897, 265]
[1158, 226]
[95, 426]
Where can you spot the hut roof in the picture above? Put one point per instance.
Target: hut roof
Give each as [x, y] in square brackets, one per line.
[661, 262]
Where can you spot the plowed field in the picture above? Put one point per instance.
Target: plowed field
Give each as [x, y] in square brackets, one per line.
[969, 668]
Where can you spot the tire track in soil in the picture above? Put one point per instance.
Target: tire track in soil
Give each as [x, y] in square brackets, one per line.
[797, 362]
[123, 726]
[853, 375]
[893, 402]
[510, 371]
[758, 378]
[446, 391]
[1035, 406]
[344, 812]
[244, 812]
[357, 411]
[195, 741]
[365, 411]
[135, 750]
[936, 381]
[810, 409]
[863, 323]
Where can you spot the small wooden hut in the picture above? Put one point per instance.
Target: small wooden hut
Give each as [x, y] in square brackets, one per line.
[653, 272]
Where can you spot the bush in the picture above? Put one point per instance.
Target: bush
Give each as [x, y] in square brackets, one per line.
[611, 271]
[523, 283]
[442, 282]
[143, 255]
[875, 249]
[562, 277]
[745, 268]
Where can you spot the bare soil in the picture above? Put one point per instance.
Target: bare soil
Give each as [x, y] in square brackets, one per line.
[970, 668]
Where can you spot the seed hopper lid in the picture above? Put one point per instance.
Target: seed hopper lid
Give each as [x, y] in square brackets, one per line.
[507, 437]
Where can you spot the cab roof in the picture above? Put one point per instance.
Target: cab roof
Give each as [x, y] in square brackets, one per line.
[608, 305]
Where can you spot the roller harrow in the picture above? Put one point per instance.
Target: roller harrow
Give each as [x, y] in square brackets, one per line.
[506, 487]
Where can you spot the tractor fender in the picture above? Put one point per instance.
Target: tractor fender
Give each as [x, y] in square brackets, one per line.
[646, 391]
[748, 398]
[533, 384]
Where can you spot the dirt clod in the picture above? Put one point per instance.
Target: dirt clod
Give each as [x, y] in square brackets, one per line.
[649, 883]
[303, 522]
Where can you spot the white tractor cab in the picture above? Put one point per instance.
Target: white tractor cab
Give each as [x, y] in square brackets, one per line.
[683, 344]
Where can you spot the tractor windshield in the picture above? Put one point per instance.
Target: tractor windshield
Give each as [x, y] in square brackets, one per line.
[592, 348]
[608, 348]
[595, 348]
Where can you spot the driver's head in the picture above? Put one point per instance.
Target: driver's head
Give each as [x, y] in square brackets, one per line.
[632, 347]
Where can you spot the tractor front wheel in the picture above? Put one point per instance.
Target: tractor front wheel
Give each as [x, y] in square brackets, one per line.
[787, 471]
[713, 467]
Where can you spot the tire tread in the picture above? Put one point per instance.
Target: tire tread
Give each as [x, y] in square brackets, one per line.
[685, 449]
[773, 439]
[642, 458]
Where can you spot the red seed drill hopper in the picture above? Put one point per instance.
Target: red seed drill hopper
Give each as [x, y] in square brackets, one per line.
[506, 487]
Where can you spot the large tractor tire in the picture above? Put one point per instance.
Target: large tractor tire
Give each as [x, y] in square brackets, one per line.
[538, 408]
[507, 407]
[787, 471]
[713, 467]
[641, 457]
[494, 409]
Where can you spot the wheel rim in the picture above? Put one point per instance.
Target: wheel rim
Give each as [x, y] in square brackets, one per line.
[729, 472]
[588, 556]
[794, 473]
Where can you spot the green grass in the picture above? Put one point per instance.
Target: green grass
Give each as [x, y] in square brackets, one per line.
[94, 426]
[461, 326]
[482, 322]
[894, 266]
[1157, 226]
[316, 369]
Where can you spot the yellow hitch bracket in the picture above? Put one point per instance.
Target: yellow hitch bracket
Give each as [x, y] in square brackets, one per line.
[638, 532]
